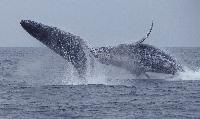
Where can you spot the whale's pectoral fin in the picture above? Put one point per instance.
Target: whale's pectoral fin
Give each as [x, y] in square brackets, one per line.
[147, 35]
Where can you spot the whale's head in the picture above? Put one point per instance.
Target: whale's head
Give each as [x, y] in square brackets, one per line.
[37, 30]
[50, 36]
[63, 43]
[67, 45]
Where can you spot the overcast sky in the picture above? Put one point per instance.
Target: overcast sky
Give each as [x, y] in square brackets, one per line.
[105, 22]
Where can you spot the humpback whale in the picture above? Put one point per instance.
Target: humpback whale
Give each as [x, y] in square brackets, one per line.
[138, 58]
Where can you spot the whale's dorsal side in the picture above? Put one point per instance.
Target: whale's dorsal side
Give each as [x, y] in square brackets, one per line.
[146, 36]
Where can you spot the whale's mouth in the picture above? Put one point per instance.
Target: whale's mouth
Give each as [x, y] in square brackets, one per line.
[28, 25]
[37, 30]
[31, 27]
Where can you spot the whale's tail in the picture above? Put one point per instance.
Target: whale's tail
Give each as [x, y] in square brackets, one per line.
[67, 45]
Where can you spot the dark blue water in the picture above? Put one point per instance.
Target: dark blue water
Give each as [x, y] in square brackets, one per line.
[37, 84]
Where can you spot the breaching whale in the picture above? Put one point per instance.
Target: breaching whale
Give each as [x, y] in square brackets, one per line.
[138, 58]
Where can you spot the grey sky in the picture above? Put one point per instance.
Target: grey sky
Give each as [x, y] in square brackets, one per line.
[105, 22]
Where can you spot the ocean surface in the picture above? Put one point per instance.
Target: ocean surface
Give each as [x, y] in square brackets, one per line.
[36, 83]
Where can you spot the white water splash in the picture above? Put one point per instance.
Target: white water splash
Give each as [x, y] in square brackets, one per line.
[189, 74]
[111, 75]
[40, 71]
[100, 74]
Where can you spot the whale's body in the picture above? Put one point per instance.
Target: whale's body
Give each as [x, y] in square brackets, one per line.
[137, 58]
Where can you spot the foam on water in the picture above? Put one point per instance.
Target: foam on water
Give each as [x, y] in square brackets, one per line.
[189, 74]
[100, 74]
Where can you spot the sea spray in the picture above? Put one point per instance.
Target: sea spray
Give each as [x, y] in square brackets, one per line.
[189, 74]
